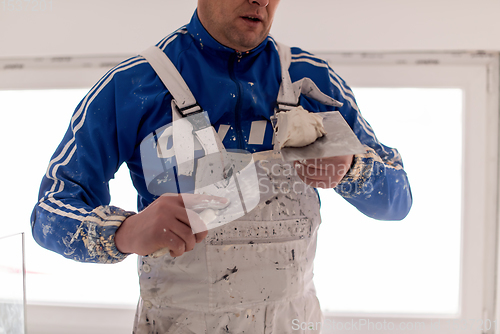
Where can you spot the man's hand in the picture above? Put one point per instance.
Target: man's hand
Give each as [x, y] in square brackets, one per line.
[325, 172]
[168, 222]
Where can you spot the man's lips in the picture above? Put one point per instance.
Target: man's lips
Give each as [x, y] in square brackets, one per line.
[252, 17]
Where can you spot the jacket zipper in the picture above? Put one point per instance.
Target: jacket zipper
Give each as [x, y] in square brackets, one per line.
[237, 125]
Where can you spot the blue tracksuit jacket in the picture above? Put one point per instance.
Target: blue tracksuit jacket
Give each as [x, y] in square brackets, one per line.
[73, 216]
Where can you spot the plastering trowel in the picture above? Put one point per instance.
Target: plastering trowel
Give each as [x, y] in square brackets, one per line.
[338, 140]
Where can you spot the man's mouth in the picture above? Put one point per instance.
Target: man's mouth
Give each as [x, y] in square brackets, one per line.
[252, 18]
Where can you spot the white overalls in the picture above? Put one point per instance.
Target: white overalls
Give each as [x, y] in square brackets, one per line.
[253, 275]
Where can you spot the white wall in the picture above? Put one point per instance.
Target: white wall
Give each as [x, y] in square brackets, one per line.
[94, 27]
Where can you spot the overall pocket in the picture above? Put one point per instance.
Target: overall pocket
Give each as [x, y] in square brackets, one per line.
[252, 262]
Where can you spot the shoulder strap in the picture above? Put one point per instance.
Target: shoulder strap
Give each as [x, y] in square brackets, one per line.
[286, 96]
[289, 93]
[183, 104]
[171, 78]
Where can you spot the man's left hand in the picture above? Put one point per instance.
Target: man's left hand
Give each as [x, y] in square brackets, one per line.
[325, 172]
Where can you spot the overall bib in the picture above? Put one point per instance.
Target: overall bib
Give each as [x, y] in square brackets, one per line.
[253, 275]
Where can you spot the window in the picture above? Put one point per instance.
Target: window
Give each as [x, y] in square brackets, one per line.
[411, 266]
[31, 93]
[436, 267]
[52, 278]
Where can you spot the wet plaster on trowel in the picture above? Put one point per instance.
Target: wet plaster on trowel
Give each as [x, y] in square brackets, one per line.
[298, 127]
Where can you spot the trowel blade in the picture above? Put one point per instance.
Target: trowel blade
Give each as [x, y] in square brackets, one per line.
[339, 140]
[239, 183]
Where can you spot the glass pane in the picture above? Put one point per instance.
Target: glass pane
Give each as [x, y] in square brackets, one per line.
[362, 265]
[12, 293]
[411, 266]
[50, 277]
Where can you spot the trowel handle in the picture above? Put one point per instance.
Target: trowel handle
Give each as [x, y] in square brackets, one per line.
[160, 253]
[207, 215]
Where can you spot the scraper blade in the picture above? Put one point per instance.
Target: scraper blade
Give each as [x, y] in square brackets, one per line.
[339, 140]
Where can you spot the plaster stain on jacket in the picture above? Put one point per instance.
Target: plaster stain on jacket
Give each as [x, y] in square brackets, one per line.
[97, 234]
[46, 229]
[362, 169]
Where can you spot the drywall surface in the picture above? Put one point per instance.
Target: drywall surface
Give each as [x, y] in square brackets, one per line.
[92, 27]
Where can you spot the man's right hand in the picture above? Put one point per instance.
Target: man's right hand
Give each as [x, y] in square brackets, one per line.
[168, 222]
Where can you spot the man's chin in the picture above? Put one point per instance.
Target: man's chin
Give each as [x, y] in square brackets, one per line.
[251, 42]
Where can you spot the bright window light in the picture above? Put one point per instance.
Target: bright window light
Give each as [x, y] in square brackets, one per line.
[411, 266]
[32, 124]
[362, 265]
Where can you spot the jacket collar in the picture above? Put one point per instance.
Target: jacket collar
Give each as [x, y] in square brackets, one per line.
[207, 43]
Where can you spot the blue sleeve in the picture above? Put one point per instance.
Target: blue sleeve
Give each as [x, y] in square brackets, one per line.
[376, 183]
[73, 216]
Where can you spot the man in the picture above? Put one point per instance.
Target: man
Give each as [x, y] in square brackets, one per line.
[253, 275]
